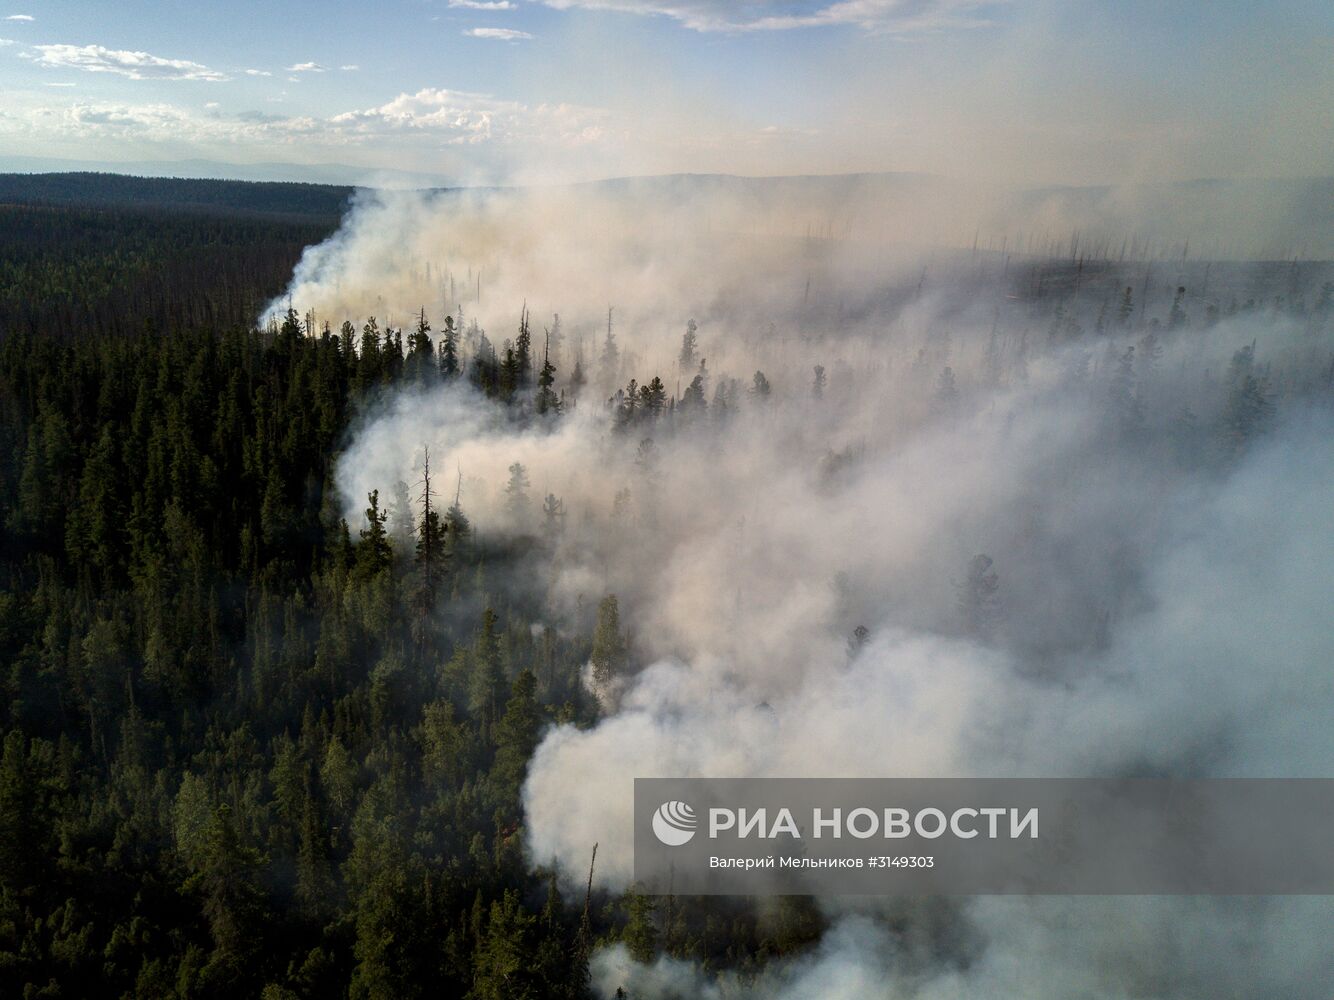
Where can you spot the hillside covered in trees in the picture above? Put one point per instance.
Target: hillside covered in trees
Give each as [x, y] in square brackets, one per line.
[99, 253]
[324, 202]
[274, 684]
[240, 749]
[237, 750]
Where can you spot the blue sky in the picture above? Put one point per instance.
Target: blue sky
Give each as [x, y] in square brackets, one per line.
[1031, 91]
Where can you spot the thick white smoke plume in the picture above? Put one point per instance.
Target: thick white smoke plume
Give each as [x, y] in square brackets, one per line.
[797, 559]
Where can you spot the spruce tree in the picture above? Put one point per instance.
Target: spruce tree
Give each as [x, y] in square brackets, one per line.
[692, 400]
[511, 374]
[553, 514]
[689, 341]
[547, 400]
[516, 733]
[760, 388]
[653, 399]
[449, 350]
[523, 353]
[457, 526]
[640, 935]
[374, 553]
[577, 381]
[486, 683]
[516, 493]
[421, 353]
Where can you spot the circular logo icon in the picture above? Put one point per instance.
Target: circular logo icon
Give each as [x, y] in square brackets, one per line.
[674, 823]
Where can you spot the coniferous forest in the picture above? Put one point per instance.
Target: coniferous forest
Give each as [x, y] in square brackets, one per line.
[242, 754]
[270, 715]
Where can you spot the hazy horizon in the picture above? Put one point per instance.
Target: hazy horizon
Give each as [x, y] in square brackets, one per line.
[347, 175]
[1029, 93]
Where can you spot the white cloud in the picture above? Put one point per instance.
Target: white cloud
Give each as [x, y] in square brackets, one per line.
[462, 118]
[20, 17]
[135, 65]
[480, 127]
[498, 34]
[349, 68]
[166, 123]
[258, 72]
[307, 67]
[890, 16]
[491, 5]
[457, 115]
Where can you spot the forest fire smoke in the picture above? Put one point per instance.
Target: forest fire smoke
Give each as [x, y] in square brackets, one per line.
[929, 512]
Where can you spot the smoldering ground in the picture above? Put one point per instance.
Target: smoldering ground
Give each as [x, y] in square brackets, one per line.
[1144, 462]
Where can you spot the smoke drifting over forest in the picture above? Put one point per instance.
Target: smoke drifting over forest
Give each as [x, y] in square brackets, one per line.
[1048, 500]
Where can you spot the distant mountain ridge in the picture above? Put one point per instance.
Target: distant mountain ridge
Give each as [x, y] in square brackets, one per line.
[232, 197]
[337, 174]
[1276, 219]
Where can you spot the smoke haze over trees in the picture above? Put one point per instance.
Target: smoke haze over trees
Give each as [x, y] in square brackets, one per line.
[724, 479]
[1014, 529]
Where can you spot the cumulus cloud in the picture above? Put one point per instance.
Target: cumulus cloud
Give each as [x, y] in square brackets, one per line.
[307, 67]
[484, 133]
[135, 65]
[20, 17]
[465, 118]
[158, 122]
[487, 5]
[499, 34]
[258, 72]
